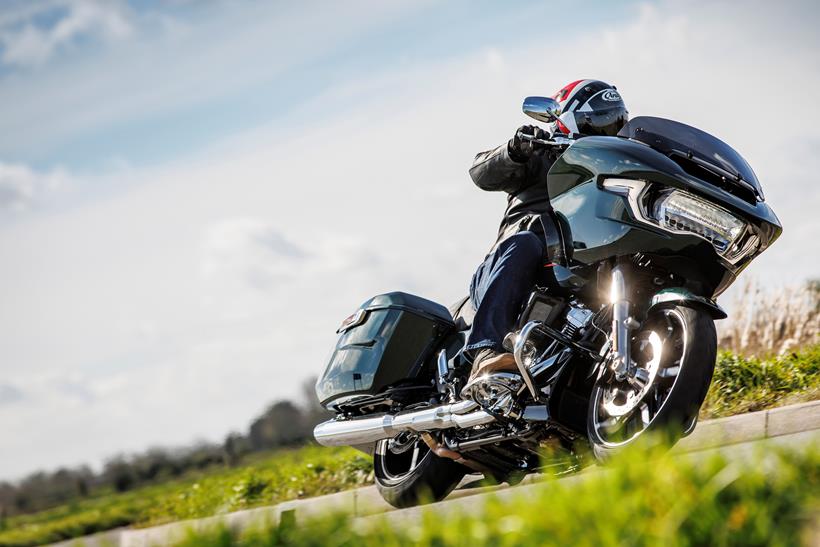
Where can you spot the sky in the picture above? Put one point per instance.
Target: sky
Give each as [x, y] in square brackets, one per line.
[194, 194]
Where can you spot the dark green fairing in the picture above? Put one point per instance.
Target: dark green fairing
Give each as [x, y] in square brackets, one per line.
[603, 226]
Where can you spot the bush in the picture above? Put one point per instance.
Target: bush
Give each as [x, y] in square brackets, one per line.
[745, 384]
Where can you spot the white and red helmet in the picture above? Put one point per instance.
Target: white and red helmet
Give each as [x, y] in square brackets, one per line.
[590, 107]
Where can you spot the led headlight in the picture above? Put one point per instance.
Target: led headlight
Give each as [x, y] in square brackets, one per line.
[678, 211]
[682, 212]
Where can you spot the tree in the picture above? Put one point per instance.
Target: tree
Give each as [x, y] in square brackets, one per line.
[314, 412]
[119, 474]
[235, 446]
[282, 424]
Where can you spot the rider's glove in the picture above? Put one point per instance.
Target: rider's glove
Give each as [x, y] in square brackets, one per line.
[520, 149]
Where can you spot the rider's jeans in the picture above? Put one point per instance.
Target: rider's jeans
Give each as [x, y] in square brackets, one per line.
[499, 287]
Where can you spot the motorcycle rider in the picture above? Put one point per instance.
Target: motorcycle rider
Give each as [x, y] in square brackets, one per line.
[519, 167]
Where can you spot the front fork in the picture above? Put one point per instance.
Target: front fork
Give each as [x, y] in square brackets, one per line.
[620, 338]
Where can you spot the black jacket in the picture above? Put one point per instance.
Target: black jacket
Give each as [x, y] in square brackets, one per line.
[525, 182]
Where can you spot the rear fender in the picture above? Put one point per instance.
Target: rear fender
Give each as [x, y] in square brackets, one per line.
[678, 296]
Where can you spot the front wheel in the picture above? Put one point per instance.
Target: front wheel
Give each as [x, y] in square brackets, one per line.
[676, 348]
[408, 473]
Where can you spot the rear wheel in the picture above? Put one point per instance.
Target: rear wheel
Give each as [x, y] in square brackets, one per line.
[408, 473]
[675, 351]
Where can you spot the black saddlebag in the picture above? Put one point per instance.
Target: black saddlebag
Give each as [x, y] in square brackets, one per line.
[390, 345]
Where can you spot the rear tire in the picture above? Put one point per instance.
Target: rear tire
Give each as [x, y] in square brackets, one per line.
[674, 397]
[403, 482]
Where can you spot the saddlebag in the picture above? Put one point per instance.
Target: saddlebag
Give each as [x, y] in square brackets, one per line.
[389, 346]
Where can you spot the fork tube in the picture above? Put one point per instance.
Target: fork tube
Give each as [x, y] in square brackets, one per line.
[620, 329]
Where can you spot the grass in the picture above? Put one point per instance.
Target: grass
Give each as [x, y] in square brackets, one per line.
[739, 385]
[748, 384]
[643, 498]
[269, 479]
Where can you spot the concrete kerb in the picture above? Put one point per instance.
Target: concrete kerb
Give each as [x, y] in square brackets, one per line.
[109, 538]
[366, 501]
[298, 510]
[793, 419]
[723, 431]
[174, 532]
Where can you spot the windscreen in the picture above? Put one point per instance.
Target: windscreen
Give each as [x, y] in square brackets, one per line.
[678, 139]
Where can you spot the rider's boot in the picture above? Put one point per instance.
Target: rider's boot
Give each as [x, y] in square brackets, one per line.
[489, 360]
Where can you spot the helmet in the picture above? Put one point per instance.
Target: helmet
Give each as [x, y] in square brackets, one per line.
[590, 107]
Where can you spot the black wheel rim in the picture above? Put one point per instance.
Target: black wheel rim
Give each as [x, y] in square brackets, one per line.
[400, 456]
[621, 411]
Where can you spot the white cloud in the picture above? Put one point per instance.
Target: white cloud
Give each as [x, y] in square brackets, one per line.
[22, 187]
[26, 43]
[252, 250]
[10, 394]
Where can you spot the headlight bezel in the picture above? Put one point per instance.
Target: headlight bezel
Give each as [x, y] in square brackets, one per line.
[643, 199]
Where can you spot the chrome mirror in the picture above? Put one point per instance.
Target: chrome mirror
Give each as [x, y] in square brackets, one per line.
[543, 109]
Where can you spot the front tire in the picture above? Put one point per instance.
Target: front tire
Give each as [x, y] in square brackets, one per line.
[408, 473]
[677, 347]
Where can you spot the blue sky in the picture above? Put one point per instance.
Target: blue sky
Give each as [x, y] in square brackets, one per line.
[412, 33]
[193, 194]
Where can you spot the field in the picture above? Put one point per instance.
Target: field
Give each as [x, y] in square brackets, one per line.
[265, 479]
[644, 498]
[740, 385]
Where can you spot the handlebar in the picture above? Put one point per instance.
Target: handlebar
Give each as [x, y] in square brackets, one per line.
[556, 141]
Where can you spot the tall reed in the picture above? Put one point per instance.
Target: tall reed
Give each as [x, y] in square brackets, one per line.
[772, 322]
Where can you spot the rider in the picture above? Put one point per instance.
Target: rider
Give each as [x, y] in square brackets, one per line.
[519, 168]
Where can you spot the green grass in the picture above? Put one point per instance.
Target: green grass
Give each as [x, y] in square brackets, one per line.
[739, 385]
[747, 384]
[643, 498]
[265, 480]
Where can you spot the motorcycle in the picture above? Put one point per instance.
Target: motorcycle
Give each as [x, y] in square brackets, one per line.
[650, 226]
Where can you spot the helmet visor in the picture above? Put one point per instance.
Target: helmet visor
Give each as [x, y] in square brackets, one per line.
[601, 122]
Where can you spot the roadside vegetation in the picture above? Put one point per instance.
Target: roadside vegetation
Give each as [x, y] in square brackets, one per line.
[283, 424]
[747, 384]
[772, 322]
[262, 480]
[644, 498]
[776, 364]
[770, 351]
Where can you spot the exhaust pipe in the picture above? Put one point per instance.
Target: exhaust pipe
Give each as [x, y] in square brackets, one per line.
[369, 430]
[443, 452]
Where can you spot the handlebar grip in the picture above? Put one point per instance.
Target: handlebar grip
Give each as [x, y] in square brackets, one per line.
[555, 142]
[531, 138]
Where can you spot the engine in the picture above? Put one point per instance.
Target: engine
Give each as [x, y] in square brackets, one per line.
[572, 319]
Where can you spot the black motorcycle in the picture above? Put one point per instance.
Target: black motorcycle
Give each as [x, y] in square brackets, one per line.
[649, 227]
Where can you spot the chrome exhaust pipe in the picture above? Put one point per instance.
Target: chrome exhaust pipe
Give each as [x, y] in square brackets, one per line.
[369, 430]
